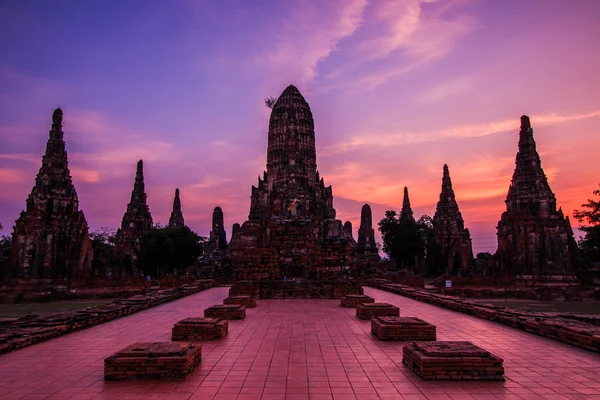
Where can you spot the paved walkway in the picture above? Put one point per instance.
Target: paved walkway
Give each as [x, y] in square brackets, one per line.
[297, 349]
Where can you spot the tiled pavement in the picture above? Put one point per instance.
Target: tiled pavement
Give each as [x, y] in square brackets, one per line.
[297, 349]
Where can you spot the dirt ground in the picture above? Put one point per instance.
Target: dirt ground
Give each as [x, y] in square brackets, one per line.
[574, 307]
[18, 310]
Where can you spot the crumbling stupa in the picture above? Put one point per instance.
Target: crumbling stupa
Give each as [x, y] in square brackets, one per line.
[366, 249]
[291, 229]
[50, 238]
[452, 239]
[137, 220]
[534, 238]
[176, 219]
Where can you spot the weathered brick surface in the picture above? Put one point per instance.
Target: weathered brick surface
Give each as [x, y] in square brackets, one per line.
[158, 360]
[534, 236]
[199, 329]
[304, 289]
[352, 300]
[246, 301]
[26, 331]
[567, 328]
[291, 229]
[369, 310]
[452, 361]
[402, 328]
[225, 311]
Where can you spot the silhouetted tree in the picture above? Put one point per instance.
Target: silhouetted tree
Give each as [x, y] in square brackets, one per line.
[103, 243]
[589, 218]
[402, 239]
[270, 102]
[166, 249]
[5, 246]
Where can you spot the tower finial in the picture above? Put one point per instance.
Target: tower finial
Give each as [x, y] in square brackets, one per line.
[57, 117]
[525, 123]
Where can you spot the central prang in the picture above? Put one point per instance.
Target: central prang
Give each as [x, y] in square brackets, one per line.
[291, 230]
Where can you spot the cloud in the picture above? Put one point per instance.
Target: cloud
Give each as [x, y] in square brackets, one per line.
[309, 35]
[447, 89]
[387, 139]
[399, 37]
[84, 175]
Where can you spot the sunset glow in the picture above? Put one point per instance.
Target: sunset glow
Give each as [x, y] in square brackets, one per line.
[397, 88]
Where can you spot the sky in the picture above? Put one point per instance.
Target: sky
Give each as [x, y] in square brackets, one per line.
[397, 88]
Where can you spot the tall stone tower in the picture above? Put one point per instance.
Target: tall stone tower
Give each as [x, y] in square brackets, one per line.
[218, 238]
[452, 239]
[50, 238]
[291, 229]
[137, 220]
[366, 249]
[406, 214]
[176, 219]
[534, 238]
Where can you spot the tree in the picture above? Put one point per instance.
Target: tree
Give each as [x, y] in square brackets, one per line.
[5, 246]
[167, 249]
[270, 102]
[103, 243]
[589, 218]
[402, 240]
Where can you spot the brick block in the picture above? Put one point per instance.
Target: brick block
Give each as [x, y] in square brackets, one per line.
[157, 360]
[352, 300]
[452, 361]
[369, 310]
[246, 301]
[225, 311]
[199, 329]
[402, 328]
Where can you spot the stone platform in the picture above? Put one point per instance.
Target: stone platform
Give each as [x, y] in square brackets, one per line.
[369, 310]
[301, 289]
[352, 300]
[25, 331]
[567, 328]
[157, 360]
[460, 361]
[191, 329]
[246, 301]
[225, 311]
[402, 328]
[277, 352]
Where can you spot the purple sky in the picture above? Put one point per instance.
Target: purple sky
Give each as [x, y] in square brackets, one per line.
[397, 89]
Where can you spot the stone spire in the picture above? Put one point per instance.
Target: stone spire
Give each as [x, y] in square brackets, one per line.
[218, 238]
[366, 247]
[291, 187]
[450, 234]
[50, 238]
[138, 212]
[235, 230]
[136, 221]
[366, 233]
[407, 212]
[176, 219]
[534, 238]
[348, 227]
[292, 230]
[529, 183]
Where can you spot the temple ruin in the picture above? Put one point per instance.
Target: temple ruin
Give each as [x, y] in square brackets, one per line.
[366, 248]
[137, 220]
[50, 238]
[291, 230]
[452, 239]
[534, 238]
